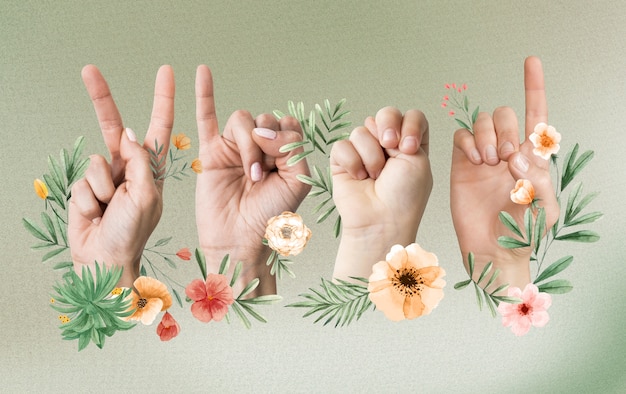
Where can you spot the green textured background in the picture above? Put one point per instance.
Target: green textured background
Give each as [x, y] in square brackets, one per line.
[263, 54]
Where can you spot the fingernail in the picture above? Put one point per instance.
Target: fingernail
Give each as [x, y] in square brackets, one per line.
[265, 133]
[131, 135]
[389, 135]
[521, 163]
[492, 154]
[506, 149]
[476, 155]
[362, 174]
[96, 220]
[255, 172]
[409, 144]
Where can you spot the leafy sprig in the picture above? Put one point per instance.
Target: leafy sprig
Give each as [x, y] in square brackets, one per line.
[173, 169]
[243, 307]
[332, 119]
[459, 100]
[92, 313]
[156, 270]
[342, 301]
[278, 264]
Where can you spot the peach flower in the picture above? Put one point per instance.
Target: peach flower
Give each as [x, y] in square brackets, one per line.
[532, 311]
[148, 298]
[408, 284]
[184, 254]
[287, 234]
[211, 297]
[523, 193]
[181, 141]
[196, 166]
[168, 328]
[546, 140]
[41, 189]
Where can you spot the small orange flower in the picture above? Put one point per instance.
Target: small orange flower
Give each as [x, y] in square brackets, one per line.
[41, 189]
[546, 140]
[64, 319]
[287, 234]
[148, 298]
[523, 193]
[184, 254]
[196, 166]
[408, 284]
[168, 328]
[181, 141]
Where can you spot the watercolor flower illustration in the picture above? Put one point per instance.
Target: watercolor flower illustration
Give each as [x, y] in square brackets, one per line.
[211, 297]
[523, 193]
[168, 328]
[196, 166]
[532, 311]
[408, 284]
[148, 298]
[287, 234]
[41, 189]
[184, 254]
[546, 140]
[181, 141]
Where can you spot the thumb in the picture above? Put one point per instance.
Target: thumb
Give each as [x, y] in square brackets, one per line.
[523, 168]
[271, 141]
[138, 172]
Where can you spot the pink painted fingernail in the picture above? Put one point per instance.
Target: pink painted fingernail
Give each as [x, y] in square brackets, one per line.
[256, 173]
[521, 162]
[389, 136]
[409, 144]
[265, 133]
[131, 135]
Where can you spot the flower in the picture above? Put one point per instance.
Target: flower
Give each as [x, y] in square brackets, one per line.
[523, 193]
[64, 319]
[181, 141]
[287, 234]
[184, 254]
[211, 297]
[408, 284]
[196, 166]
[168, 328]
[148, 298]
[451, 113]
[41, 189]
[545, 140]
[531, 311]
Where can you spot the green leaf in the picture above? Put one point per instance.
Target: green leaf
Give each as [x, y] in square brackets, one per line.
[585, 219]
[484, 273]
[169, 262]
[528, 224]
[291, 146]
[179, 301]
[63, 265]
[510, 223]
[52, 253]
[463, 124]
[224, 265]
[337, 227]
[540, 227]
[36, 231]
[558, 286]
[296, 158]
[162, 242]
[326, 214]
[579, 207]
[554, 268]
[479, 297]
[201, 262]
[579, 236]
[462, 285]
[511, 243]
[475, 115]
[470, 260]
[237, 271]
[47, 221]
[235, 307]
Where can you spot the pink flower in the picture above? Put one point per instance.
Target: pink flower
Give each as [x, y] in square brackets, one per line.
[447, 86]
[443, 105]
[212, 297]
[168, 328]
[454, 86]
[464, 86]
[446, 98]
[532, 310]
[184, 254]
[451, 113]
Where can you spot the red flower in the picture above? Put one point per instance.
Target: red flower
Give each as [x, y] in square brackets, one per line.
[212, 297]
[184, 254]
[447, 86]
[168, 328]
[451, 113]
[446, 98]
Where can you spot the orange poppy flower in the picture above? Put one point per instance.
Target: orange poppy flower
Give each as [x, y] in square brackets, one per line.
[181, 141]
[196, 166]
[523, 193]
[546, 140]
[148, 298]
[41, 189]
[408, 284]
[287, 234]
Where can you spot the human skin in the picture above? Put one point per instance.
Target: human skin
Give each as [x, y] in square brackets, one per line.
[485, 166]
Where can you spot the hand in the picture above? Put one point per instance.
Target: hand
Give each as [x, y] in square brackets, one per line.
[485, 167]
[245, 181]
[381, 184]
[116, 206]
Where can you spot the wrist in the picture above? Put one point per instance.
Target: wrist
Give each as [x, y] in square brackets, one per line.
[514, 270]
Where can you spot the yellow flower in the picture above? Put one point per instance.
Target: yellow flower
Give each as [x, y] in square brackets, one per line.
[181, 141]
[524, 192]
[546, 140]
[196, 166]
[148, 298]
[408, 284]
[41, 189]
[64, 319]
[287, 234]
[117, 291]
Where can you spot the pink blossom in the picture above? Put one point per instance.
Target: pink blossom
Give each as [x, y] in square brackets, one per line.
[212, 297]
[464, 86]
[168, 328]
[447, 86]
[454, 86]
[451, 113]
[446, 98]
[532, 311]
[443, 105]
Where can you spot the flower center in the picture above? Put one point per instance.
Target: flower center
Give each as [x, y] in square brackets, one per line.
[524, 309]
[546, 141]
[285, 232]
[408, 282]
[142, 303]
[209, 298]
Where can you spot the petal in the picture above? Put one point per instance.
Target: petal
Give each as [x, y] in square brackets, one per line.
[529, 293]
[196, 290]
[218, 309]
[539, 319]
[414, 307]
[150, 311]
[431, 275]
[431, 298]
[542, 302]
[381, 271]
[521, 326]
[419, 258]
[390, 302]
[396, 257]
[152, 288]
[514, 292]
[201, 310]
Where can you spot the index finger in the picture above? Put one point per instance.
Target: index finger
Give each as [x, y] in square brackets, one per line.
[535, 91]
[106, 111]
[205, 106]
